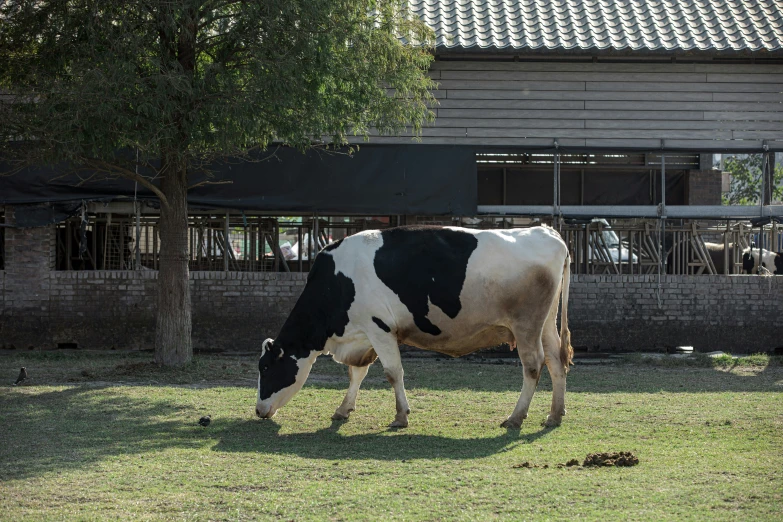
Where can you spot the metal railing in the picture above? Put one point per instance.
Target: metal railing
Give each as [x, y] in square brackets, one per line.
[2, 242]
[640, 246]
[223, 241]
[257, 243]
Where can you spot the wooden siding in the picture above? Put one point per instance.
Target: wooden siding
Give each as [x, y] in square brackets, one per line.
[701, 107]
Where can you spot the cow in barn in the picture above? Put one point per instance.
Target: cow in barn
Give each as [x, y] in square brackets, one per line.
[771, 261]
[444, 289]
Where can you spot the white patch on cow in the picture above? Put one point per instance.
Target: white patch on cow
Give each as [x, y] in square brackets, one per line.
[767, 260]
[371, 237]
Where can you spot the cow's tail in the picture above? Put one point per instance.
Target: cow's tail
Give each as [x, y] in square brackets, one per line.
[566, 351]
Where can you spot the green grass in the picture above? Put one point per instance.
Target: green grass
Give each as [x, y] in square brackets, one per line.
[111, 436]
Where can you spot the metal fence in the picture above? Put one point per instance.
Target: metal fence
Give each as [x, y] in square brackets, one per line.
[2, 242]
[216, 241]
[257, 243]
[641, 246]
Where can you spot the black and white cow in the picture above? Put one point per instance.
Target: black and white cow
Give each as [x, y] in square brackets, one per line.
[771, 261]
[449, 290]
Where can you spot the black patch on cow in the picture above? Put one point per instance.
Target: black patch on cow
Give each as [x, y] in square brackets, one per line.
[320, 312]
[276, 372]
[778, 264]
[418, 263]
[747, 263]
[381, 325]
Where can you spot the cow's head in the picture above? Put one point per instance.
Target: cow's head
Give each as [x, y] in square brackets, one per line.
[280, 376]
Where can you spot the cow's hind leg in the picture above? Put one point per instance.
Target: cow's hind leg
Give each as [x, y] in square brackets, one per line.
[557, 372]
[531, 353]
[356, 375]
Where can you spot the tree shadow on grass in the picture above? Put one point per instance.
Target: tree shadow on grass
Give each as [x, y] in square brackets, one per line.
[262, 436]
[76, 427]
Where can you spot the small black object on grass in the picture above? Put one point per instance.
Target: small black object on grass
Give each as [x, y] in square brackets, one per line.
[204, 421]
[22, 376]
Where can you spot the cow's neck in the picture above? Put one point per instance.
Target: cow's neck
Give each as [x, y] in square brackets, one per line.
[320, 312]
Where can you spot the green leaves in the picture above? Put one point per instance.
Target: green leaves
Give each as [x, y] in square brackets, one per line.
[196, 79]
[746, 180]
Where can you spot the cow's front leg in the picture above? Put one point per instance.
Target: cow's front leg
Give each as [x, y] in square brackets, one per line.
[389, 353]
[394, 376]
[357, 375]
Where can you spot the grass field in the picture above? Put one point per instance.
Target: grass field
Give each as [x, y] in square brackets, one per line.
[111, 436]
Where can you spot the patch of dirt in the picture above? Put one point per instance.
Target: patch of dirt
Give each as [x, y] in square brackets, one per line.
[623, 458]
[137, 368]
[242, 489]
[528, 465]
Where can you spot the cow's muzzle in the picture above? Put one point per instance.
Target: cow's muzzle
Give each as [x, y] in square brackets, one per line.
[265, 413]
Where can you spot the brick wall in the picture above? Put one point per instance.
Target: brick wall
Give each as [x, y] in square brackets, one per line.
[29, 260]
[236, 311]
[116, 309]
[704, 187]
[730, 313]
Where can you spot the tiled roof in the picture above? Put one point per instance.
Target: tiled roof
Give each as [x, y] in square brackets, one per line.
[636, 25]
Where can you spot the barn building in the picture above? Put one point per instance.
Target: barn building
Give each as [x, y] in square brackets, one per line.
[601, 118]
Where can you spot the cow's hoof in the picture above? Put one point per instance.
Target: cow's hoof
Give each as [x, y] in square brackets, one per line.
[399, 424]
[340, 416]
[552, 422]
[510, 424]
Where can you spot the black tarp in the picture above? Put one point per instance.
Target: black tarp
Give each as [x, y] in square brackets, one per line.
[402, 179]
[535, 187]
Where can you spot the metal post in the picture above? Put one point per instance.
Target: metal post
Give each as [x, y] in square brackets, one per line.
[727, 265]
[556, 189]
[300, 246]
[766, 178]
[275, 237]
[137, 208]
[226, 244]
[505, 186]
[663, 211]
[316, 238]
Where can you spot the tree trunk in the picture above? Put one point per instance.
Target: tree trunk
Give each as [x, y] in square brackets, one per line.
[173, 345]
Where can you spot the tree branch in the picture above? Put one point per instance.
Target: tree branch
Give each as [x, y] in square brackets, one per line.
[125, 173]
[202, 183]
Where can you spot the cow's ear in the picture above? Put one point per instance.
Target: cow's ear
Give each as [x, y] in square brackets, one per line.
[266, 345]
[278, 351]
